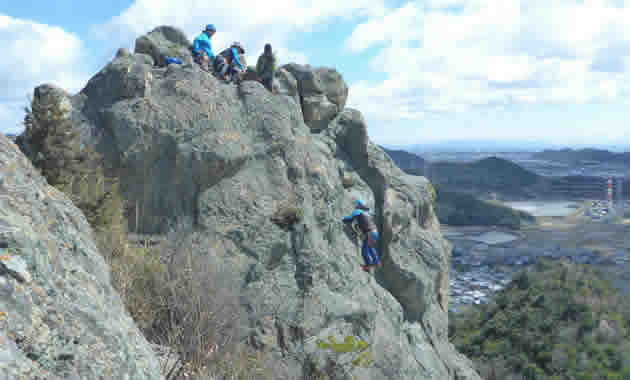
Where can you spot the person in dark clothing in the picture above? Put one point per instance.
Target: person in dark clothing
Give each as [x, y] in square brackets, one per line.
[367, 226]
[266, 66]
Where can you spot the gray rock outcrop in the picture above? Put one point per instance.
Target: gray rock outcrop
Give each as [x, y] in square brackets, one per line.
[323, 93]
[126, 77]
[286, 84]
[59, 315]
[226, 158]
[164, 41]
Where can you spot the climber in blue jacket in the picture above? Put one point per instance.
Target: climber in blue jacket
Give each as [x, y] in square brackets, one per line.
[368, 227]
[228, 65]
[202, 48]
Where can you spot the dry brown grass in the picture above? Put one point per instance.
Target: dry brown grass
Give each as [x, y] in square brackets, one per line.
[196, 308]
[198, 315]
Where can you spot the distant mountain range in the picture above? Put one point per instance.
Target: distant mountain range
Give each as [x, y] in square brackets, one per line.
[499, 146]
[583, 155]
[453, 205]
[487, 175]
[405, 160]
[11, 136]
[497, 176]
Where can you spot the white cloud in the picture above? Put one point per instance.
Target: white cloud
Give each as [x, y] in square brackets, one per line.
[400, 25]
[11, 117]
[250, 21]
[34, 54]
[454, 55]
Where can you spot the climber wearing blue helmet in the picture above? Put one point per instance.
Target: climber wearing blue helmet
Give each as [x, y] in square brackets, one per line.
[202, 48]
[368, 228]
[228, 65]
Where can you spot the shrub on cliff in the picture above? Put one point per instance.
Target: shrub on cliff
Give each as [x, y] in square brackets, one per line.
[196, 305]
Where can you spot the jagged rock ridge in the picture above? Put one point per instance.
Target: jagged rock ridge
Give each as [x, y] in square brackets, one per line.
[224, 158]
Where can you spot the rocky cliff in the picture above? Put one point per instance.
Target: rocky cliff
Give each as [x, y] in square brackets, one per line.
[225, 159]
[59, 315]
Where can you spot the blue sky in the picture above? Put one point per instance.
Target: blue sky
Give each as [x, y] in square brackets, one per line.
[420, 71]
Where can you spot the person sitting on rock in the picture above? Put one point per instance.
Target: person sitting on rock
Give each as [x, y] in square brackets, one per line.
[240, 73]
[202, 48]
[266, 66]
[243, 60]
[227, 64]
[368, 228]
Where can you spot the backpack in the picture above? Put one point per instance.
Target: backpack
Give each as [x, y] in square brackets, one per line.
[169, 60]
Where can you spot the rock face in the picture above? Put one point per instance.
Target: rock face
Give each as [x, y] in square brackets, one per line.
[286, 84]
[59, 315]
[226, 158]
[323, 93]
[128, 76]
[165, 41]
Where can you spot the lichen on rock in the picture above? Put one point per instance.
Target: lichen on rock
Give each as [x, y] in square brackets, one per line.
[59, 315]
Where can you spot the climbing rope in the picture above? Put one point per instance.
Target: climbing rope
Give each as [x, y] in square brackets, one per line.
[358, 236]
[357, 231]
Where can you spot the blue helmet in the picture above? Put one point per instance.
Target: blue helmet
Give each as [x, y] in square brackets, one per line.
[360, 205]
[210, 28]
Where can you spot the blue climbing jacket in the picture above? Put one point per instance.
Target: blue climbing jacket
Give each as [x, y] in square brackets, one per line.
[351, 217]
[238, 62]
[202, 44]
[234, 57]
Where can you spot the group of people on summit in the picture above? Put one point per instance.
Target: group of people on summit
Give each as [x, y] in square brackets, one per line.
[230, 64]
